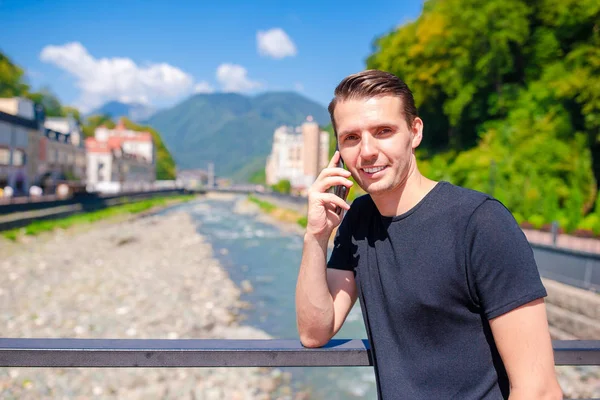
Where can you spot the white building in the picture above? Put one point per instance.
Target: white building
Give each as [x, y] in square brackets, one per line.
[298, 155]
[120, 159]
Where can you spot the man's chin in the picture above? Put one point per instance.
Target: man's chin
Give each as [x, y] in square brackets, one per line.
[374, 188]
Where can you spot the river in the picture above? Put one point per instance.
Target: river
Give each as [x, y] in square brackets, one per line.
[268, 257]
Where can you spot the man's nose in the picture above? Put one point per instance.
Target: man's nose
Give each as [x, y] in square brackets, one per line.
[368, 147]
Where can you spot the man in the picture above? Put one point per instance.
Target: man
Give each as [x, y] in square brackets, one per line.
[449, 289]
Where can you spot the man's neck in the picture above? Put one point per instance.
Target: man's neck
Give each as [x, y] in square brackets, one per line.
[405, 196]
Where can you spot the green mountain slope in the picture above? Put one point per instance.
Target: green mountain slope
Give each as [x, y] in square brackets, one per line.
[231, 130]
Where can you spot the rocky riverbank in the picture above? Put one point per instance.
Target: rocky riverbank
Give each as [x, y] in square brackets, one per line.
[152, 277]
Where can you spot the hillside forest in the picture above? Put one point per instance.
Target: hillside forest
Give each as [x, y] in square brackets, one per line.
[509, 92]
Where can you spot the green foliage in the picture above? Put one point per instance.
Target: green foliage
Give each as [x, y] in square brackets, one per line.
[11, 78]
[509, 92]
[332, 140]
[68, 110]
[302, 221]
[49, 101]
[259, 177]
[264, 205]
[252, 172]
[94, 121]
[283, 186]
[13, 84]
[280, 213]
[590, 223]
[134, 207]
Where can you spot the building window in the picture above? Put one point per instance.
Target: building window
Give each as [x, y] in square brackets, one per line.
[18, 157]
[101, 172]
[4, 156]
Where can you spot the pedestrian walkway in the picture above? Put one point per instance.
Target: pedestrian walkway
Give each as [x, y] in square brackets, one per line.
[588, 245]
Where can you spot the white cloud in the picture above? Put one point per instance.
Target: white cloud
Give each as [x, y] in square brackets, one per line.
[203, 87]
[275, 43]
[234, 78]
[104, 79]
[299, 87]
[129, 99]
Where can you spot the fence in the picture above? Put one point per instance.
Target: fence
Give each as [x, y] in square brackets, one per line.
[32, 352]
[572, 267]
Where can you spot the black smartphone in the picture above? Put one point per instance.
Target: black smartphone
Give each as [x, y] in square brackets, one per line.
[340, 190]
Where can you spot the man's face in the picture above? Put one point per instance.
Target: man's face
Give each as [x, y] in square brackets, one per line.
[376, 143]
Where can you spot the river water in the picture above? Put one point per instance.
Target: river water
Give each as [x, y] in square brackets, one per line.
[268, 257]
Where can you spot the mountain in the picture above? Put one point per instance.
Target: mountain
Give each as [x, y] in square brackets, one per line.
[133, 111]
[231, 130]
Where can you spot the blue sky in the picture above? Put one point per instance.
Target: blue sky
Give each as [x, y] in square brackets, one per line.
[89, 52]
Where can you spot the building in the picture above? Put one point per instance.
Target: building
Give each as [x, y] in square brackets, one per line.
[62, 154]
[21, 131]
[298, 154]
[120, 160]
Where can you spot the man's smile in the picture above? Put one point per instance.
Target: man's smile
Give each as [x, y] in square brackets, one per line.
[370, 171]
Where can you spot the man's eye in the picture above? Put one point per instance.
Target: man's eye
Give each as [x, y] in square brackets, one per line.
[385, 131]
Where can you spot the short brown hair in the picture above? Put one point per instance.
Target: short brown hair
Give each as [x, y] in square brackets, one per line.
[374, 83]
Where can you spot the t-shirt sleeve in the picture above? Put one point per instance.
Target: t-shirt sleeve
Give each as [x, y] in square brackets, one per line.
[343, 254]
[501, 268]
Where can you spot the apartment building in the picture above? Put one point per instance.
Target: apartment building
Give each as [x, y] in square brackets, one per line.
[120, 159]
[21, 130]
[298, 154]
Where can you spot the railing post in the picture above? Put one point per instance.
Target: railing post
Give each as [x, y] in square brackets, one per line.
[554, 232]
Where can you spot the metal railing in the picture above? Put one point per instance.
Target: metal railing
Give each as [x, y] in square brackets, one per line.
[572, 267]
[33, 352]
[20, 215]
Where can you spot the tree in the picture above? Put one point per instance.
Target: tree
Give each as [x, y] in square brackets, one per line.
[11, 78]
[510, 93]
[94, 121]
[48, 100]
[283, 186]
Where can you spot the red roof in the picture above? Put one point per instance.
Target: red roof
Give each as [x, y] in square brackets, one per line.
[115, 142]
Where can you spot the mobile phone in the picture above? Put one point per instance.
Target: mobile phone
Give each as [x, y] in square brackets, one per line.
[340, 190]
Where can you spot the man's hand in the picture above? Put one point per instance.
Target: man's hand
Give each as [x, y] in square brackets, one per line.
[323, 298]
[322, 218]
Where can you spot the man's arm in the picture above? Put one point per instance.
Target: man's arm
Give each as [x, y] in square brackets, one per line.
[323, 298]
[523, 341]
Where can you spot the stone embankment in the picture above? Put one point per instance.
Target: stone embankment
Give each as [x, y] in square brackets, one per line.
[573, 314]
[152, 277]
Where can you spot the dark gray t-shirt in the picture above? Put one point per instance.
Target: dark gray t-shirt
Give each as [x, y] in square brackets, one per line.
[429, 281]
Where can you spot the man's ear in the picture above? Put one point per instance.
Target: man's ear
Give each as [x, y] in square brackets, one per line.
[417, 132]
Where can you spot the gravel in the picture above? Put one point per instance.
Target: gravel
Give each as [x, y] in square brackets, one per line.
[151, 277]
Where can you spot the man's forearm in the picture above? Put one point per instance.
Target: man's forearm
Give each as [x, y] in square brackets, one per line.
[314, 304]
